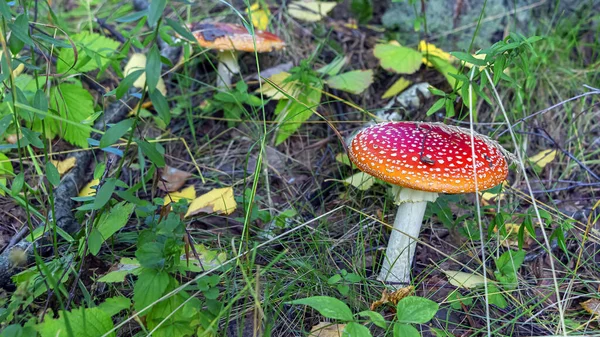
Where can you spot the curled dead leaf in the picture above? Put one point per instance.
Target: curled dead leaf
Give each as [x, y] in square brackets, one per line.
[392, 298]
[592, 306]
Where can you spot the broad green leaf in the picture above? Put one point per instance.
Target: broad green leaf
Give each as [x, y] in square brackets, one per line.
[150, 151]
[469, 58]
[354, 329]
[5, 123]
[174, 321]
[495, 297]
[327, 306]
[153, 67]
[113, 305]
[89, 322]
[436, 106]
[5, 10]
[15, 330]
[52, 174]
[399, 59]
[128, 82]
[354, 82]
[73, 103]
[445, 68]
[17, 184]
[414, 309]
[104, 193]
[40, 102]
[405, 330]
[94, 52]
[155, 11]
[112, 135]
[150, 286]
[161, 106]
[20, 30]
[292, 113]
[374, 317]
[32, 137]
[110, 222]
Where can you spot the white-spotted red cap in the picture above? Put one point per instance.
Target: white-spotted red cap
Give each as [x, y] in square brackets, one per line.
[428, 156]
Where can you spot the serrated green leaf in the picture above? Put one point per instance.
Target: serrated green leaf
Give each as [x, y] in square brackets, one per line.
[94, 52]
[115, 132]
[327, 306]
[75, 104]
[399, 59]
[89, 322]
[150, 286]
[113, 305]
[354, 82]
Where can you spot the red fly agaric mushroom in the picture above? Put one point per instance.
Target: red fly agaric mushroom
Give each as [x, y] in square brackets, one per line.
[228, 39]
[424, 159]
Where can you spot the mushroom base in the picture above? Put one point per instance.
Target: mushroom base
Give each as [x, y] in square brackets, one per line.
[396, 266]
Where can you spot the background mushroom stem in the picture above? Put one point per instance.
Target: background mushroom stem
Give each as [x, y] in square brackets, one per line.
[227, 67]
[396, 266]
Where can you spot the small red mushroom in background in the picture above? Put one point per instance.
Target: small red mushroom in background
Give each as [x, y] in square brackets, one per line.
[228, 39]
[423, 159]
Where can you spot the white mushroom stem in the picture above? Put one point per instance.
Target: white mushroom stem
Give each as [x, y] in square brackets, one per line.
[227, 67]
[396, 266]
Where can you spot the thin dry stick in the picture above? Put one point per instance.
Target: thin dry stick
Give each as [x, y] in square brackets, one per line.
[561, 310]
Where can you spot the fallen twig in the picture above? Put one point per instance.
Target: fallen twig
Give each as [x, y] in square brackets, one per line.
[69, 187]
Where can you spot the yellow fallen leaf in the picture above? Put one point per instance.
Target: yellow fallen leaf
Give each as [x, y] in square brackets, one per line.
[326, 329]
[219, 200]
[87, 190]
[464, 280]
[291, 87]
[188, 193]
[431, 49]
[65, 165]
[310, 11]
[137, 62]
[361, 180]
[260, 16]
[543, 158]
[489, 196]
[396, 88]
[592, 306]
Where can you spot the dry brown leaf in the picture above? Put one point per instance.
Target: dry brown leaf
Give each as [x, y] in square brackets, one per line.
[172, 179]
[326, 329]
[393, 297]
[592, 306]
